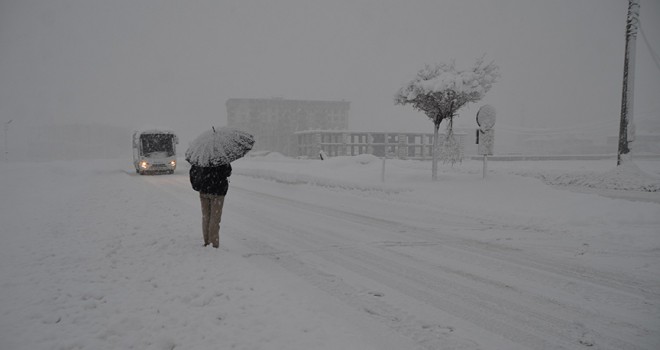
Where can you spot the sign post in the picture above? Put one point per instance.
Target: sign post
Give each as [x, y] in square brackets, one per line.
[485, 133]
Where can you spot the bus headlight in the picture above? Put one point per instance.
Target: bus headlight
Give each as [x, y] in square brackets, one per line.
[173, 163]
[144, 164]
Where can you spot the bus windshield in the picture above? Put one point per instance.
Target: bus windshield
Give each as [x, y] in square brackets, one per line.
[157, 143]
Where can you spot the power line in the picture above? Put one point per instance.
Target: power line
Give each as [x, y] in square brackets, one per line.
[654, 55]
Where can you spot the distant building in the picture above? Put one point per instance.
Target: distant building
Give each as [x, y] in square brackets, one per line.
[274, 122]
[404, 145]
[305, 128]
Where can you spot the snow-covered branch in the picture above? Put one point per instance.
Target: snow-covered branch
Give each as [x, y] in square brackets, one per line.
[440, 90]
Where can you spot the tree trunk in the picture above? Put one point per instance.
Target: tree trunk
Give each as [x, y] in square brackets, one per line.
[434, 162]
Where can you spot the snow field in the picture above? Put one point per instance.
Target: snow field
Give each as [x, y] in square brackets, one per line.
[323, 255]
[92, 259]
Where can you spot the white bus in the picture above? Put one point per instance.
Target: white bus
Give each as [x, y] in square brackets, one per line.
[154, 151]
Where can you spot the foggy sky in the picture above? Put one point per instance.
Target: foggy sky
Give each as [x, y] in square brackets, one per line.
[173, 64]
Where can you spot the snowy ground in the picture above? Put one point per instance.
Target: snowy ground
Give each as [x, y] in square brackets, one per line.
[323, 255]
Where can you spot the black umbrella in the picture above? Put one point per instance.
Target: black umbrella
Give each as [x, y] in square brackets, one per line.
[219, 146]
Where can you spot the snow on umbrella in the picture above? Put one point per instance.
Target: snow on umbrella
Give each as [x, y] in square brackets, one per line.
[219, 146]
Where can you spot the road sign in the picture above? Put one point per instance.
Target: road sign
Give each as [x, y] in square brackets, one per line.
[486, 117]
[486, 134]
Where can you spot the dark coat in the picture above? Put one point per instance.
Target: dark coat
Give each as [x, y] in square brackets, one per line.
[210, 180]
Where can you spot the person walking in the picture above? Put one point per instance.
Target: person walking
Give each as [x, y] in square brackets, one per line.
[212, 184]
[209, 156]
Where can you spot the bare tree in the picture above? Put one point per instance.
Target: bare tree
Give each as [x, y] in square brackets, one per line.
[441, 90]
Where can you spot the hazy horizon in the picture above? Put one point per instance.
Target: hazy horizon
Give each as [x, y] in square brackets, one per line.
[174, 64]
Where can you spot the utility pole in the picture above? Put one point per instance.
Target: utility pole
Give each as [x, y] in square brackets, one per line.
[627, 127]
[7, 149]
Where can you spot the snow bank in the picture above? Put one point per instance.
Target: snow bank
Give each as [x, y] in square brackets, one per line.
[315, 172]
[365, 172]
[627, 177]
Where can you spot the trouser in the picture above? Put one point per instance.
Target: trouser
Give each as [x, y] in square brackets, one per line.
[211, 215]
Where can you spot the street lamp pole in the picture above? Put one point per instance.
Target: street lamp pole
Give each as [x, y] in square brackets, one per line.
[627, 127]
[5, 138]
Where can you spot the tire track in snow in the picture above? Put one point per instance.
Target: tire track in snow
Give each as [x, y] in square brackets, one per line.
[621, 288]
[426, 335]
[373, 265]
[566, 330]
[626, 285]
[405, 323]
[532, 328]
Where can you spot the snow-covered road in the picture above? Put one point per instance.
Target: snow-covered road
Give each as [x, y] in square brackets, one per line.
[114, 260]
